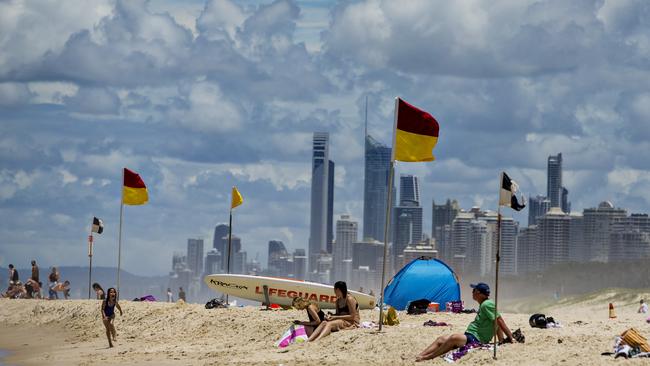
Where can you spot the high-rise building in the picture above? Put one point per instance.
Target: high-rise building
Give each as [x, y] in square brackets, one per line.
[367, 253]
[238, 263]
[479, 249]
[235, 245]
[554, 180]
[537, 206]
[407, 217]
[330, 207]
[375, 188]
[347, 231]
[407, 226]
[528, 250]
[597, 230]
[564, 201]
[409, 190]
[195, 256]
[277, 258]
[554, 237]
[411, 252]
[460, 236]
[320, 198]
[212, 262]
[630, 238]
[324, 268]
[299, 264]
[442, 215]
[577, 250]
[220, 232]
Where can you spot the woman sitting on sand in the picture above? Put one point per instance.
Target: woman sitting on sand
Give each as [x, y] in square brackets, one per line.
[99, 291]
[346, 317]
[316, 315]
[108, 314]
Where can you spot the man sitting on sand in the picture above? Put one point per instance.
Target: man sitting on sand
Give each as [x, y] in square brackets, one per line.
[481, 330]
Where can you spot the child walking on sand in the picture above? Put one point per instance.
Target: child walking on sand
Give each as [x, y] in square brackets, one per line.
[108, 314]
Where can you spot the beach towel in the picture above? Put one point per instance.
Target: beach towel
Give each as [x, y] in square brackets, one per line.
[295, 334]
[457, 354]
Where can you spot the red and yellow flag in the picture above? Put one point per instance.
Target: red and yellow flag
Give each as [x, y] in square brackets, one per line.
[134, 192]
[416, 134]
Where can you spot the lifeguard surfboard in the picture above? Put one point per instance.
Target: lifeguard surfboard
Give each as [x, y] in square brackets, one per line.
[281, 291]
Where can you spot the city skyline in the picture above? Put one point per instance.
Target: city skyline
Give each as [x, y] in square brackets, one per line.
[198, 97]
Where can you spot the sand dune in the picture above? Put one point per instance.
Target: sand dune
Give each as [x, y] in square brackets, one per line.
[70, 332]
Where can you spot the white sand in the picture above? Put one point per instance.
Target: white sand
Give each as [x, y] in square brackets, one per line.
[71, 333]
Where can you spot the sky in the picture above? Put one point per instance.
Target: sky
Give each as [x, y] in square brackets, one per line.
[200, 96]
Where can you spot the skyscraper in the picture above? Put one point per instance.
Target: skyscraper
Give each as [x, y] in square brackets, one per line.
[407, 217]
[347, 231]
[299, 264]
[212, 262]
[554, 180]
[441, 218]
[277, 258]
[554, 237]
[321, 197]
[330, 207]
[195, 256]
[564, 200]
[630, 238]
[597, 230]
[409, 189]
[528, 250]
[375, 188]
[235, 244]
[537, 207]
[220, 231]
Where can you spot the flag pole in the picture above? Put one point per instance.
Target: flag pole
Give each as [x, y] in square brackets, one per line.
[119, 242]
[498, 259]
[90, 259]
[229, 247]
[389, 202]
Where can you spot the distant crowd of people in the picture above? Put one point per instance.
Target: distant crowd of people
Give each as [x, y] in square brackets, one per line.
[31, 289]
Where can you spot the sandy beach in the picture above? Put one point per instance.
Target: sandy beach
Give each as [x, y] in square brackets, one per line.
[39, 332]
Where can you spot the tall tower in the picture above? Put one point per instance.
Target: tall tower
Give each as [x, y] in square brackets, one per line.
[277, 258]
[375, 188]
[218, 242]
[347, 231]
[195, 256]
[409, 189]
[537, 207]
[554, 180]
[320, 198]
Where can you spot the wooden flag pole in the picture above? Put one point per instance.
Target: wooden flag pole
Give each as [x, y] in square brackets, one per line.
[389, 202]
[498, 259]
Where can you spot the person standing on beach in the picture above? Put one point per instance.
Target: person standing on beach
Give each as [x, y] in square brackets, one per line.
[170, 296]
[181, 294]
[36, 276]
[108, 314]
[99, 291]
[54, 282]
[13, 275]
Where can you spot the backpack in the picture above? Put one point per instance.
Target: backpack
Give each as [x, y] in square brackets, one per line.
[215, 304]
[538, 321]
[418, 307]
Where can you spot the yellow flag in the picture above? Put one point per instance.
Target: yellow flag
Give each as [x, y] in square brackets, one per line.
[237, 199]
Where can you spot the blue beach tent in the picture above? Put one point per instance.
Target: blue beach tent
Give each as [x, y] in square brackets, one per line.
[423, 278]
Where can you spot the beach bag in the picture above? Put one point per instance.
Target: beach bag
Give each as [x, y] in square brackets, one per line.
[391, 317]
[418, 307]
[295, 334]
[537, 321]
[633, 338]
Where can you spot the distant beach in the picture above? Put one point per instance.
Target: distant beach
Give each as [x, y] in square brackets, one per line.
[70, 332]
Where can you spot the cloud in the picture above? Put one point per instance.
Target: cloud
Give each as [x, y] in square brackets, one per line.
[93, 101]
